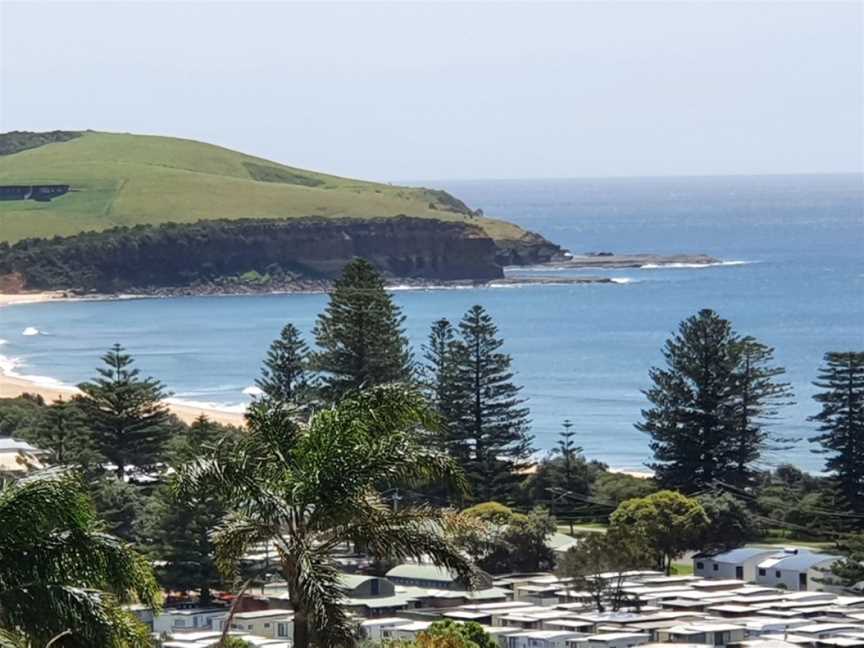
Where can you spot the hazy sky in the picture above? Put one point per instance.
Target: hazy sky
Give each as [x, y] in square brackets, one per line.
[455, 90]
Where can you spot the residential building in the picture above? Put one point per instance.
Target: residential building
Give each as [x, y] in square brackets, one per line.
[795, 570]
[738, 563]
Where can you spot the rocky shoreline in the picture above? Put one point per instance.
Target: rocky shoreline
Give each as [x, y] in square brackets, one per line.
[618, 261]
[516, 276]
[313, 286]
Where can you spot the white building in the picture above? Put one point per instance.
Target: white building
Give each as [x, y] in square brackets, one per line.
[795, 570]
[738, 563]
[273, 624]
[611, 640]
[19, 456]
[174, 619]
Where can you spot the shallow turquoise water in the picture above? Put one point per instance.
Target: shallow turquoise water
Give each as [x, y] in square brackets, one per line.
[581, 352]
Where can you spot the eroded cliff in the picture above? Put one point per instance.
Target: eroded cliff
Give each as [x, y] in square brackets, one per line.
[148, 257]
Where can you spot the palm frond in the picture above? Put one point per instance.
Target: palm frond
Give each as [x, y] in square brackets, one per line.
[92, 618]
[317, 582]
[11, 639]
[233, 538]
[415, 533]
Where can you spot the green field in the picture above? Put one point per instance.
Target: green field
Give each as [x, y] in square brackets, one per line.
[123, 179]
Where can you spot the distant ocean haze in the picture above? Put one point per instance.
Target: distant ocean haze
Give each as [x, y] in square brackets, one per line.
[581, 351]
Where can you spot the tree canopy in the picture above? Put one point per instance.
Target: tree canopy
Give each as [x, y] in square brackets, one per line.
[319, 484]
[74, 577]
[667, 522]
[360, 336]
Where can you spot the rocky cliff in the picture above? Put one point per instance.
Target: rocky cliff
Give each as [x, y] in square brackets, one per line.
[148, 257]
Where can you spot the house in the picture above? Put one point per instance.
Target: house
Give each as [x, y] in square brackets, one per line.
[795, 569]
[174, 619]
[738, 563]
[373, 596]
[19, 456]
[208, 639]
[610, 640]
[716, 634]
[541, 639]
[272, 624]
[432, 576]
[372, 629]
[560, 543]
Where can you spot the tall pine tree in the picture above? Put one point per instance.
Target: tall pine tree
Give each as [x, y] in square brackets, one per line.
[284, 376]
[62, 430]
[711, 405]
[440, 380]
[492, 424]
[360, 336]
[178, 533]
[758, 398]
[130, 423]
[841, 422]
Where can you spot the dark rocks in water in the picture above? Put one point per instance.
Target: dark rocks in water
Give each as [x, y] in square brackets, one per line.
[604, 260]
[529, 249]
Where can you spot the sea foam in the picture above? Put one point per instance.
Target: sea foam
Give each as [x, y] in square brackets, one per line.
[717, 264]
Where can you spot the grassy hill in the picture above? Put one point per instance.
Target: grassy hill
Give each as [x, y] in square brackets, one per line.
[123, 179]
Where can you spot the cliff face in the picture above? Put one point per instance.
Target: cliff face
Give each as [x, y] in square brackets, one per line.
[529, 249]
[311, 248]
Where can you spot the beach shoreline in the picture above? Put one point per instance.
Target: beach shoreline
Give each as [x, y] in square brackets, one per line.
[13, 386]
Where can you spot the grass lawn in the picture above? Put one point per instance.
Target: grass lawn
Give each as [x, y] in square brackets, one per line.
[123, 179]
[683, 568]
[583, 527]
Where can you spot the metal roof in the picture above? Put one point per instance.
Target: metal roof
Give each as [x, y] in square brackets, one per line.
[423, 572]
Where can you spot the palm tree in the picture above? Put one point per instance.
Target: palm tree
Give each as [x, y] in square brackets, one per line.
[308, 488]
[62, 580]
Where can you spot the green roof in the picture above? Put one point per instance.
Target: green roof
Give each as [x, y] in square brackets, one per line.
[423, 572]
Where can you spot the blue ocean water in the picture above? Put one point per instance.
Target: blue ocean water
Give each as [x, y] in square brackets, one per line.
[582, 352]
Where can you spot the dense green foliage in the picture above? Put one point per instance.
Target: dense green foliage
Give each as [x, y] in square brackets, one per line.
[284, 376]
[320, 484]
[63, 430]
[130, 423]
[850, 570]
[666, 523]
[841, 423]
[17, 141]
[177, 533]
[711, 405]
[455, 634]
[500, 540]
[440, 380]
[262, 252]
[360, 336]
[730, 523]
[485, 426]
[60, 574]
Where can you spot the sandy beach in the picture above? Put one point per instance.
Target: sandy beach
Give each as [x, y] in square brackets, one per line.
[13, 386]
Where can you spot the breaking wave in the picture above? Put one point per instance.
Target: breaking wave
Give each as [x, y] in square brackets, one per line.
[663, 266]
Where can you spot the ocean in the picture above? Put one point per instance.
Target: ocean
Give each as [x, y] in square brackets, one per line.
[793, 277]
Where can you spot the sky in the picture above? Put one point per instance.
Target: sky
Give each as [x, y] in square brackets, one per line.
[412, 90]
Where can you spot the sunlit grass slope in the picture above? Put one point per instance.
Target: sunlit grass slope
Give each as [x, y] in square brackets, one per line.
[123, 179]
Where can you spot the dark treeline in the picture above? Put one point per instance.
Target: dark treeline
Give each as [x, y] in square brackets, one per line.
[251, 251]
